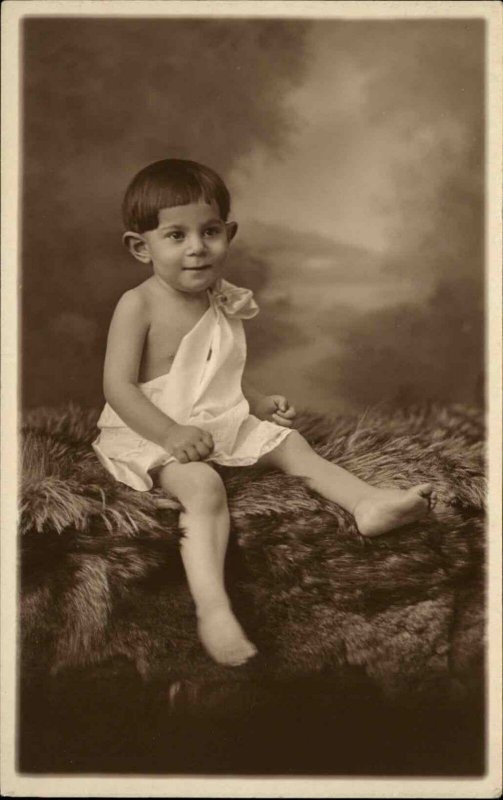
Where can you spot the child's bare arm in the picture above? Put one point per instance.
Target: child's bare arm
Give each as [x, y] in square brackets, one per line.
[253, 396]
[126, 340]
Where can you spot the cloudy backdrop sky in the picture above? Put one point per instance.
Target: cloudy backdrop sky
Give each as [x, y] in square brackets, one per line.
[354, 154]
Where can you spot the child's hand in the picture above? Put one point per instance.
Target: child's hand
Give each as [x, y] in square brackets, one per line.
[188, 443]
[275, 408]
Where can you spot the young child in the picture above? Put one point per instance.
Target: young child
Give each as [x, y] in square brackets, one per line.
[176, 403]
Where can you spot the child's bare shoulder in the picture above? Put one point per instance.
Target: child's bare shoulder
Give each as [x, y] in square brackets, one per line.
[134, 305]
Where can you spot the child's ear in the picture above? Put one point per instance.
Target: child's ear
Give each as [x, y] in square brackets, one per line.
[231, 228]
[137, 246]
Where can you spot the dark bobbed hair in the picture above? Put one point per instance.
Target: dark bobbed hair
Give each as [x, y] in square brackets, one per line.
[167, 183]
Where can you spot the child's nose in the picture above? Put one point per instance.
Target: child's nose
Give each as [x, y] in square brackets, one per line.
[196, 245]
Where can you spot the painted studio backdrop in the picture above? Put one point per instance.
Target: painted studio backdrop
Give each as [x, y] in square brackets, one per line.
[354, 155]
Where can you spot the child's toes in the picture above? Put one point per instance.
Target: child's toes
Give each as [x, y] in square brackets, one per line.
[427, 492]
[237, 659]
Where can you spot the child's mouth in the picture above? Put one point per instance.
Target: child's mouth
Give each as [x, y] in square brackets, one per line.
[198, 269]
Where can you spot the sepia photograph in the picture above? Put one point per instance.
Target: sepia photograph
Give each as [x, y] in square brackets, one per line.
[274, 563]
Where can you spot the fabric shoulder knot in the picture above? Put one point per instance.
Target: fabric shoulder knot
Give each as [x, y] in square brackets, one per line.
[234, 301]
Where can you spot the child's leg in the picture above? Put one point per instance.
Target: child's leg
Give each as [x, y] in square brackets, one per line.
[375, 510]
[205, 522]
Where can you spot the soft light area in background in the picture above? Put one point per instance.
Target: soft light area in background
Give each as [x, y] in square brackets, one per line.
[354, 154]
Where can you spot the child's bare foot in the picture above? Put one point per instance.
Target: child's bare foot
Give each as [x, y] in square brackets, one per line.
[224, 638]
[386, 509]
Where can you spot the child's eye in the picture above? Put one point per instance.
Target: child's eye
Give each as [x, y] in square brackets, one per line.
[177, 236]
[212, 231]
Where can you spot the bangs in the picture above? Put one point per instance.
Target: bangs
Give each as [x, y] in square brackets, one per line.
[171, 183]
[173, 195]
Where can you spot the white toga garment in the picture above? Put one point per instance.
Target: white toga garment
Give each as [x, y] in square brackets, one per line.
[202, 388]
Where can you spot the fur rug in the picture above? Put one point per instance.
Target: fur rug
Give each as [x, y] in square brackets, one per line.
[102, 577]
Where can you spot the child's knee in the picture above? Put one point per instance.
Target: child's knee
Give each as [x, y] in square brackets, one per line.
[294, 444]
[205, 490]
[291, 455]
[296, 439]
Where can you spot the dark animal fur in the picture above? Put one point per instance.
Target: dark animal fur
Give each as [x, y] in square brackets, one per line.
[101, 574]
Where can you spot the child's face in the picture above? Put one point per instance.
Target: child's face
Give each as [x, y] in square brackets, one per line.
[189, 246]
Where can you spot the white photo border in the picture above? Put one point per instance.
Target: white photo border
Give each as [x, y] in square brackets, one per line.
[16, 784]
